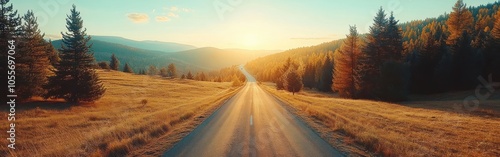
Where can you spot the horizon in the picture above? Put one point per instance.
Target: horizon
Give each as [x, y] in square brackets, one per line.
[276, 26]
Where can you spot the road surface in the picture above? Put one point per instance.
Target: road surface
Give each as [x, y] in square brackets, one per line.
[252, 123]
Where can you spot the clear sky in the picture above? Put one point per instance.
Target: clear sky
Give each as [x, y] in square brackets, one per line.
[248, 24]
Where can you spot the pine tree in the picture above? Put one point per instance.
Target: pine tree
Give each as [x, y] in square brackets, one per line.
[280, 73]
[293, 81]
[392, 84]
[202, 77]
[9, 29]
[163, 72]
[374, 53]
[127, 68]
[32, 60]
[465, 63]
[152, 71]
[309, 76]
[345, 65]
[460, 20]
[183, 77]
[236, 81]
[104, 65]
[494, 67]
[495, 32]
[114, 63]
[172, 70]
[325, 81]
[394, 40]
[428, 58]
[52, 53]
[190, 75]
[74, 79]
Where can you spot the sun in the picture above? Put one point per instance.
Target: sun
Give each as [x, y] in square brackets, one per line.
[250, 41]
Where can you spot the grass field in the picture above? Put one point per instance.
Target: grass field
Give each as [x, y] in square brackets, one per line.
[428, 126]
[118, 124]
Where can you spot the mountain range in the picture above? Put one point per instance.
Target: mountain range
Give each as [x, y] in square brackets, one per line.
[141, 54]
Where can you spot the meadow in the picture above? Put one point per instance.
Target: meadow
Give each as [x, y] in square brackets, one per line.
[434, 125]
[138, 116]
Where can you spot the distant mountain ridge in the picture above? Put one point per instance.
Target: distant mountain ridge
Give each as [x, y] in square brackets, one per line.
[195, 60]
[147, 45]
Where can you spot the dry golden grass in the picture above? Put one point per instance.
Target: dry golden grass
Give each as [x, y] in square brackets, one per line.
[117, 124]
[420, 128]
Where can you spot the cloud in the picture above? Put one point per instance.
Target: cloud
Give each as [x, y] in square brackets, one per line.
[162, 19]
[138, 17]
[174, 9]
[173, 15]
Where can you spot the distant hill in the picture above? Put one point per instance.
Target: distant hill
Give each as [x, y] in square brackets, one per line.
[200, 59]
[214, 58]
[147, 45]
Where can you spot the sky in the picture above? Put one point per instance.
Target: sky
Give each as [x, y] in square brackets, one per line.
[245, 24]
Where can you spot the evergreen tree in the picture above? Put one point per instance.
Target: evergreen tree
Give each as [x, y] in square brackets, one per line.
[190, 75]
[163, 72]
[152, 71]
[393, 83]
[394, 40]
[52, 53]
[9, 29]
[183, 76]
[32, 60]
[309, 76]
[374, 54]
[104, 65]
[466, 63]
[460, 20]
[293, 81]
[74, 79]
[280, 74]
[494, 55]
[127, 68]
[114, 63]
[172, 70]
[236, 81]
[346, 58]
[423, 70]
[202, 77]
[325, 81]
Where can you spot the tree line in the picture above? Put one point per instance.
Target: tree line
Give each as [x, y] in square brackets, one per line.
[43, 71]
[425, 56]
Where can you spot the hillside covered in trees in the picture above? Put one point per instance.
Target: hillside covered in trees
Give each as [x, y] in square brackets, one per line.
[451, 52]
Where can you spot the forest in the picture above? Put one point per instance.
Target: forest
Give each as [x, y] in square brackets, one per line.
[452, 52]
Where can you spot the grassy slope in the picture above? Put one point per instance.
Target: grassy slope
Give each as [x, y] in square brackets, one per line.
[421, 128]
[118, 123]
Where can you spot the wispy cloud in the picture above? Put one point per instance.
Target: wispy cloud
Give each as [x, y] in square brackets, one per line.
[162, 19]
[138, 17]
[174, 9]
[173, 15]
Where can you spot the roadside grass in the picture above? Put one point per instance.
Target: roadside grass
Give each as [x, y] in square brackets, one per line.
[415, 128]
[118, 124]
